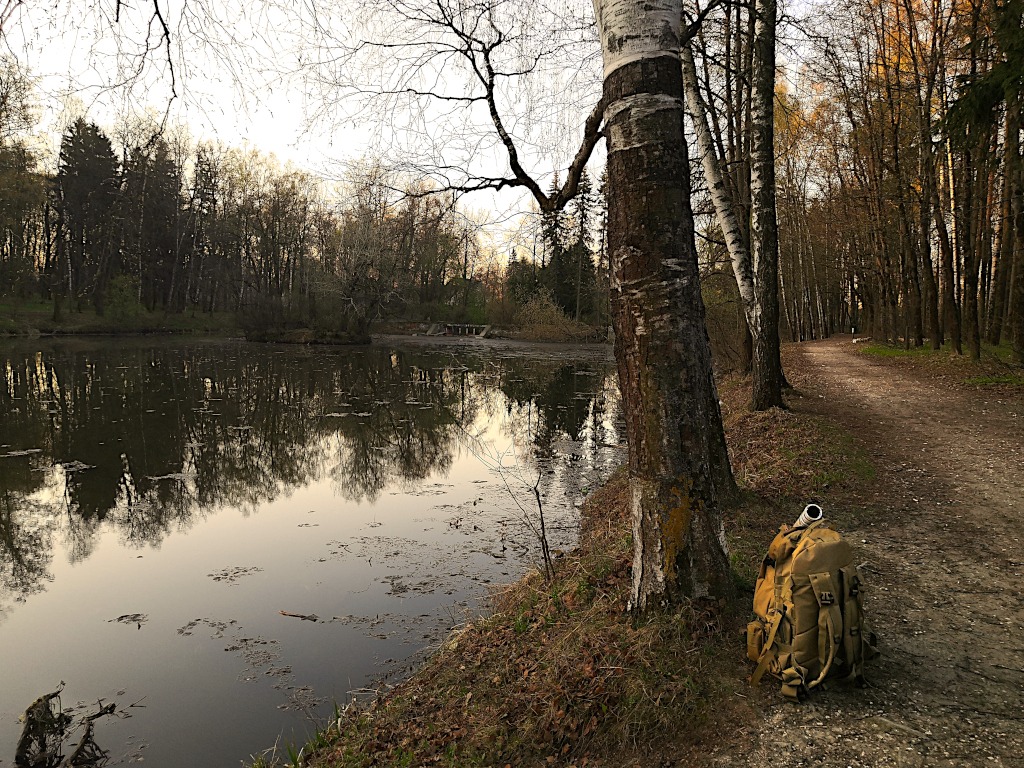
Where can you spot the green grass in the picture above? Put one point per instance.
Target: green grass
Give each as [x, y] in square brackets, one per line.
[1016, 380]
[891, 350]
[32, 317]
[994, 369]
[1001, 352]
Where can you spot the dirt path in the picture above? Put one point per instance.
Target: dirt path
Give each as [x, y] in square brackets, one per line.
[945, 564]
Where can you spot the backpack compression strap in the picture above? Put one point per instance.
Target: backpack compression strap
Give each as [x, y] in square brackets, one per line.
[768, 652]
[829, 619]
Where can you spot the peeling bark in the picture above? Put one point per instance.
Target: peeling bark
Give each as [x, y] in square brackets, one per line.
[678, 464]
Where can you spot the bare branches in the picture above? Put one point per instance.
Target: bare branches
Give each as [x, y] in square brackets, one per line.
[7, 9]
[693, 27]
[487, 95]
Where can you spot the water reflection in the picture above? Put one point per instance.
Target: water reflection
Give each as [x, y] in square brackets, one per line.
[47, 730]
[242, 534]
[148, 439]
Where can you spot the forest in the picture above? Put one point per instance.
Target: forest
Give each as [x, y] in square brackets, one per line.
[898, 184]
[153, 223]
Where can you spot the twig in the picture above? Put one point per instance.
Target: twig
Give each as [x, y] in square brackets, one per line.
[304, 616]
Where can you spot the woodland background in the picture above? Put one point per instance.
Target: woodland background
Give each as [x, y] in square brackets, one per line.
[899, 189]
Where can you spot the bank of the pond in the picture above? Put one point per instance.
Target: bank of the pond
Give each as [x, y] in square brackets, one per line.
[32, 319]
[560, 674]
[23, 318]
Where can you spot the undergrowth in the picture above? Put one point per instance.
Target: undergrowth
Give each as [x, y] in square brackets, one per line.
[994, 370]
[33, 318]
[540, 319]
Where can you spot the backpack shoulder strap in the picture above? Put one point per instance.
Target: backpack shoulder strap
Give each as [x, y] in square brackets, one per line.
[770, 649]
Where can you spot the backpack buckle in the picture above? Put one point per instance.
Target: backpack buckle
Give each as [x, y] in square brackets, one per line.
[827, 598]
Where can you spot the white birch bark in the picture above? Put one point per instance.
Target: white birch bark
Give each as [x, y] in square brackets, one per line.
[633, 30]
[678, 463]
[725, 210]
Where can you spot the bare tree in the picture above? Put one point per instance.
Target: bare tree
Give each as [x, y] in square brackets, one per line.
[456, 84]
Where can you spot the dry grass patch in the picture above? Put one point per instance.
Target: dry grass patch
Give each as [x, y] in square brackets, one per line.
[788, 454]
[540, 319]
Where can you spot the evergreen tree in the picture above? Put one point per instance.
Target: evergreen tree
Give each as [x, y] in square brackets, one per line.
[582, 275]
[87, 186]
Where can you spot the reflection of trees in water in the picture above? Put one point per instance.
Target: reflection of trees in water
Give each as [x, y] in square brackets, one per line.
[147, 439]
[563, 411]
[415, 417]
[26, 535]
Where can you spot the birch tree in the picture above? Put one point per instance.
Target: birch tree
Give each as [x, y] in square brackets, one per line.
[678, 465]
[752, 245]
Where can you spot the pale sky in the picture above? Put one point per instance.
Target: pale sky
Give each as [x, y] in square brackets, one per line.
[225, 84]
[264, 73]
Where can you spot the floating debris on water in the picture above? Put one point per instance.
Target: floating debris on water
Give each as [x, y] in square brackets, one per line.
[25, 452]
[233, 574]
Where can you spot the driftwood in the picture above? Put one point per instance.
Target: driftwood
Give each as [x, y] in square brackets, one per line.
[303, 616]
[45, 731]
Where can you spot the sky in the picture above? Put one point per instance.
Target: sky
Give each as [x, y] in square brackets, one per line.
[275, 76]
[272, 74]
[225, 80]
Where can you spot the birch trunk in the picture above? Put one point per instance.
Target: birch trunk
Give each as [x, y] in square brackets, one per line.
[725, 209]
[678, 463]
[1007, 236]
[764, 234]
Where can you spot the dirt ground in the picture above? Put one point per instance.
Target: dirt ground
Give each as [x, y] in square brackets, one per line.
[939, 539]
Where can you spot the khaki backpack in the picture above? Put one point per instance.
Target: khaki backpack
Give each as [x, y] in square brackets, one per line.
[809, 622]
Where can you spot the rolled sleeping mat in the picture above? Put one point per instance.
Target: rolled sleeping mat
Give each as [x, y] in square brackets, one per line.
[812, 513]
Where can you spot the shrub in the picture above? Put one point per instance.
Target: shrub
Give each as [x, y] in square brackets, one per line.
[540, 319]
[121, 301]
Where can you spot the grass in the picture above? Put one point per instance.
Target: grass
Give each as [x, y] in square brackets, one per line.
[32, 317]
[989, 380]
[994, 370]
[892, 351]
[560, 674]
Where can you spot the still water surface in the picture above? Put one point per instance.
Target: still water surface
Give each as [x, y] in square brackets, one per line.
[161, 505]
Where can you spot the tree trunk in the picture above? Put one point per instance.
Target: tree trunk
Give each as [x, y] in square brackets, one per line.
[1015, 168]
[1007, 236]
[678, 464]
[764, 234]
[931, 291]
[951, 311]
[969, 240]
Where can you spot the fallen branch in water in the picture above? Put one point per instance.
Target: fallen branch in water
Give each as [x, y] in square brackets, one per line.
[303, 616]
[87, 752]
[47, 727]
[43, 733]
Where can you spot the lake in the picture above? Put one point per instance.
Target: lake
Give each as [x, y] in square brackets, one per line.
[224, 539]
